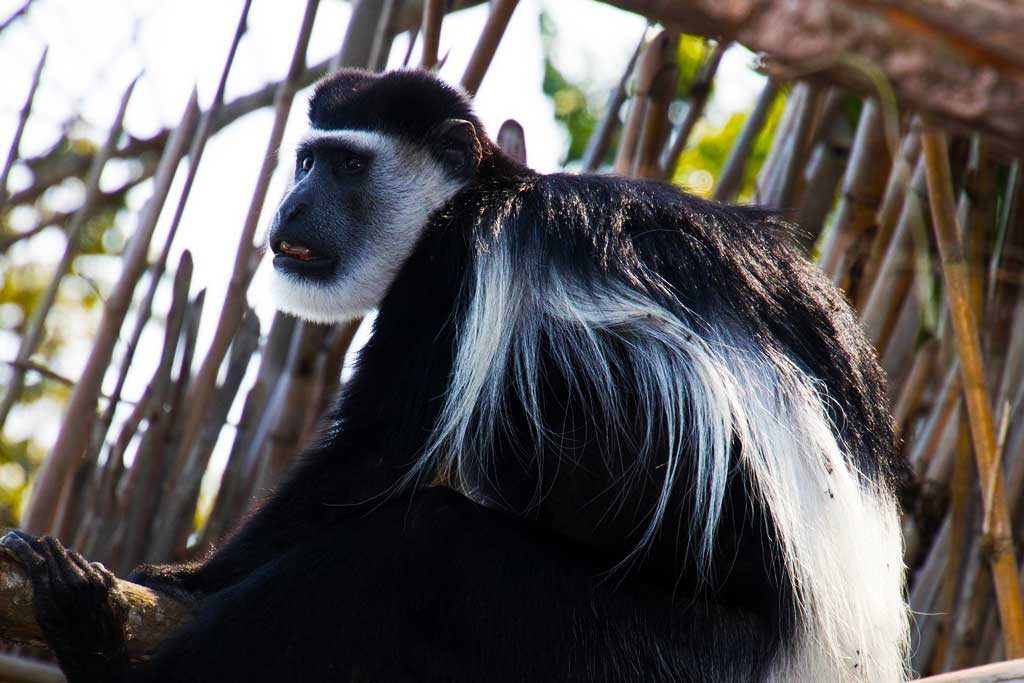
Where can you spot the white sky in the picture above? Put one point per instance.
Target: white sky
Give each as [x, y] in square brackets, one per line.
[98, 46]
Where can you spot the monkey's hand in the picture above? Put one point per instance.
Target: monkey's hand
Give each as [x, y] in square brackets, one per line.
[78, 606]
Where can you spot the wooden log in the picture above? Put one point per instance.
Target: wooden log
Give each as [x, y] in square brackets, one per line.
[961, 62]
[1003, 672]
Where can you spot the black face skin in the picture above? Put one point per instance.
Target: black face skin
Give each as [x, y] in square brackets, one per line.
[304, 236]
[350, 571]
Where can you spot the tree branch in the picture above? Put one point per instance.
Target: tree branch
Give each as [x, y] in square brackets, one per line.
[961, 62]
[151, 616]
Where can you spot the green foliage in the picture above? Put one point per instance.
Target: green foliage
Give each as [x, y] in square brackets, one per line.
[573, 109]
[701, 162]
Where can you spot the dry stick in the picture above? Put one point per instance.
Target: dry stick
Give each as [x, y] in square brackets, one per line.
[824, 170]
[960, 519]
[141, 495]
[997, 532]
[284, 428]
[433, 13]
[700, 92]
[26, 111]
[863, 188]
[601, 138]
[383, 36]
[104, 484]
[80, 411]
[895, 276]
[487, 45]
[777, 183]
[36, 327]
[236, 481]
[659, 90]
[652, 57]
[913, 387]
[730, 181]
[195, 155]
[170, 535]
[203, 386]
[896, 192]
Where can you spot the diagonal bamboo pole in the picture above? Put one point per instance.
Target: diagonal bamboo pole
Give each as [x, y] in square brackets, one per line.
[494, 29]
[26, 111]
[997, 533]
[80, 412]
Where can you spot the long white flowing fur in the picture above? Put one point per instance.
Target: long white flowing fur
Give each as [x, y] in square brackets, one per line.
[703, 384]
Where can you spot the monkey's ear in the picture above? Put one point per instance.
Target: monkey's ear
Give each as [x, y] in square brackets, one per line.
[458, 144]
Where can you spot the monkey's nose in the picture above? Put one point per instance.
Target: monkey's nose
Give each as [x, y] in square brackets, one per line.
[294, 211]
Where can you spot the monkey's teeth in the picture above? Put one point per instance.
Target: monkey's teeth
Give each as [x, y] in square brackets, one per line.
[296, 251]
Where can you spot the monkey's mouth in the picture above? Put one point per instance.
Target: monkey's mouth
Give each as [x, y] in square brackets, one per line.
[292, 257]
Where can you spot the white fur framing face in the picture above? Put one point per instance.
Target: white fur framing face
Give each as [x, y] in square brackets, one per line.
[405, 185]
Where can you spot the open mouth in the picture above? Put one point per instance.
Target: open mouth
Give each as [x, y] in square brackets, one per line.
[292, 257]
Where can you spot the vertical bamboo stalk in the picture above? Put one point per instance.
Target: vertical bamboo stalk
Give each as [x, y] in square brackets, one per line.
[700, 92]
[863, 187]
[433, 14]
[656, 54]
[655, 128]
[195, 155]
[494, 29]
[998, 535]
[600, 139]
[80, 412]
[202, 388]
[26, 111]
[730, 181]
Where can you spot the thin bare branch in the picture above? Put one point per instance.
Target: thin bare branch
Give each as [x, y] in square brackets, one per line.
[26, 111]
[33, 333]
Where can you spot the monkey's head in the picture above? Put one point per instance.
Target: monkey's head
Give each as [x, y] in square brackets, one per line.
[382, 155]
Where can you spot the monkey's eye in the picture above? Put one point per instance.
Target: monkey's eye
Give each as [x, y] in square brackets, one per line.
[351, 164]
[306, 163]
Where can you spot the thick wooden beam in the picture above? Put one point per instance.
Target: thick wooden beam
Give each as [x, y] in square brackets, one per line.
[961, 61]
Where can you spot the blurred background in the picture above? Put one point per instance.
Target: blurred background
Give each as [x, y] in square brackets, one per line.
[149, 393]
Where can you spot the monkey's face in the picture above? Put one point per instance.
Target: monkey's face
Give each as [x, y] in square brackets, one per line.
[359, 204]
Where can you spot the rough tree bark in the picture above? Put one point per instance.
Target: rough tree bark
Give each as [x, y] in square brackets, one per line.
[961, 61]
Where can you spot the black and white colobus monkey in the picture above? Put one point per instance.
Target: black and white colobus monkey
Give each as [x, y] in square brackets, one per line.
[603, 431]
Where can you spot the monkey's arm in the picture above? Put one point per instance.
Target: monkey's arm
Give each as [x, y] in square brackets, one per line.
[328, 485]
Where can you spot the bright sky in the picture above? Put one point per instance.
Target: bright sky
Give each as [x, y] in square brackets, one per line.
[97, 47]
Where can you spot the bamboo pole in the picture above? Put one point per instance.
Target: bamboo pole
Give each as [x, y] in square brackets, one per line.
[80, 412]
[487, 45]
[433, 14]
[700, 93]
[997, 531]
[600, 139]
[730, 182]
[159, 266]
[655, 127]
[202, 389]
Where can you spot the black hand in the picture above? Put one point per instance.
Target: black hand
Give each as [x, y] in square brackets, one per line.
[78, 606]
